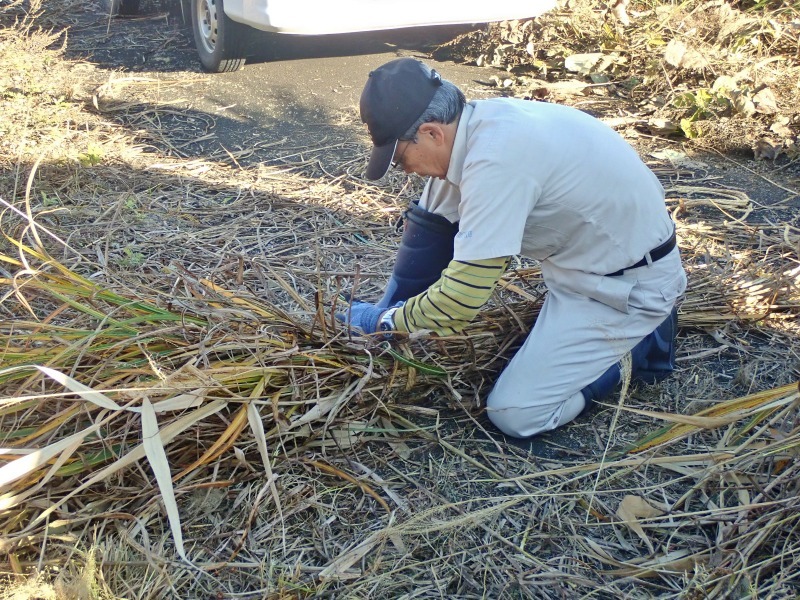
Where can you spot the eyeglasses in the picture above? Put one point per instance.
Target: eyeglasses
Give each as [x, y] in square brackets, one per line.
[397, 161]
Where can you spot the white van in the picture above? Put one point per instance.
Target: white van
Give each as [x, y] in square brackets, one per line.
[222, 28]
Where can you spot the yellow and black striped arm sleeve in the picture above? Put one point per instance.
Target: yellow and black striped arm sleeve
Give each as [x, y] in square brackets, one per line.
[447, 306]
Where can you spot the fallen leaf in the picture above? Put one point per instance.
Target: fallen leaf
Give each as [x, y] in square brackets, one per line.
[157, 457]
[582, 63]
[619, 122]
[767, 149]
[662, 126]
[765, 102]
[694, 59]
[569, 86]
[679, 55]
[619, 11]
[673, 156]
[724, 85]
[781, 127]
[679, 159]
[674, 52]
[402, 449]
[744, 105]
[634, 508]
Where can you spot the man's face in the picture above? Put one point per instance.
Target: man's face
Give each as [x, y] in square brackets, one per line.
[428, 155]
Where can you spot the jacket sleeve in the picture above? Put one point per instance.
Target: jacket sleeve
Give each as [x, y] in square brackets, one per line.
[448, 305]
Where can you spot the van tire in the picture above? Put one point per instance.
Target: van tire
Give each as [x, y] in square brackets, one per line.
[221, 43]
[122, 7]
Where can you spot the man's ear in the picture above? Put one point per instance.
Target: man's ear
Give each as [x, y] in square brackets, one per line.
[434, 130]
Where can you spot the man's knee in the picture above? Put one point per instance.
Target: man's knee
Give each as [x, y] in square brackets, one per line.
[512, 422]
[527, 421]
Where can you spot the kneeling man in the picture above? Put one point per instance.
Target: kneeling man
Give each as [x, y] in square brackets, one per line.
[509, 176]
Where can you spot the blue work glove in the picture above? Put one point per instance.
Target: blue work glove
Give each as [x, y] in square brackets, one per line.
[364, 316]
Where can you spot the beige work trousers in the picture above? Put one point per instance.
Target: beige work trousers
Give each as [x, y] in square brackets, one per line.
[587, 323]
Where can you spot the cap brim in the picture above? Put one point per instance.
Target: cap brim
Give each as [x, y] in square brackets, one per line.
[380, 160]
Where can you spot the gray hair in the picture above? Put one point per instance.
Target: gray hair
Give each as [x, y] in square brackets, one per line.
[445, 107]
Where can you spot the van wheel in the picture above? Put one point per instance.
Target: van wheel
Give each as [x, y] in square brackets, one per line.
[221, 42]
[122, 7]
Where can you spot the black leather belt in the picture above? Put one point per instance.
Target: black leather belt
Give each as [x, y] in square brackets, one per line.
[655, 254]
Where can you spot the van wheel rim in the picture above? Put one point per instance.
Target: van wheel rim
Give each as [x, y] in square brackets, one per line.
[207, 24]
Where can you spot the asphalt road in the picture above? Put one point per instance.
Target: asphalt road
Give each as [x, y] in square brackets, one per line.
[305, 91]
[297, 95]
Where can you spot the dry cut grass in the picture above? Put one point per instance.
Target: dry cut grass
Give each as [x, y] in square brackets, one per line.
[182, 416]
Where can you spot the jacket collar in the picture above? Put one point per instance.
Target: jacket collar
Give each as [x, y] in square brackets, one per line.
[459, 153]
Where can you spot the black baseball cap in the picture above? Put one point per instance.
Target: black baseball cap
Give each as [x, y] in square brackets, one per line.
[395, 96]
